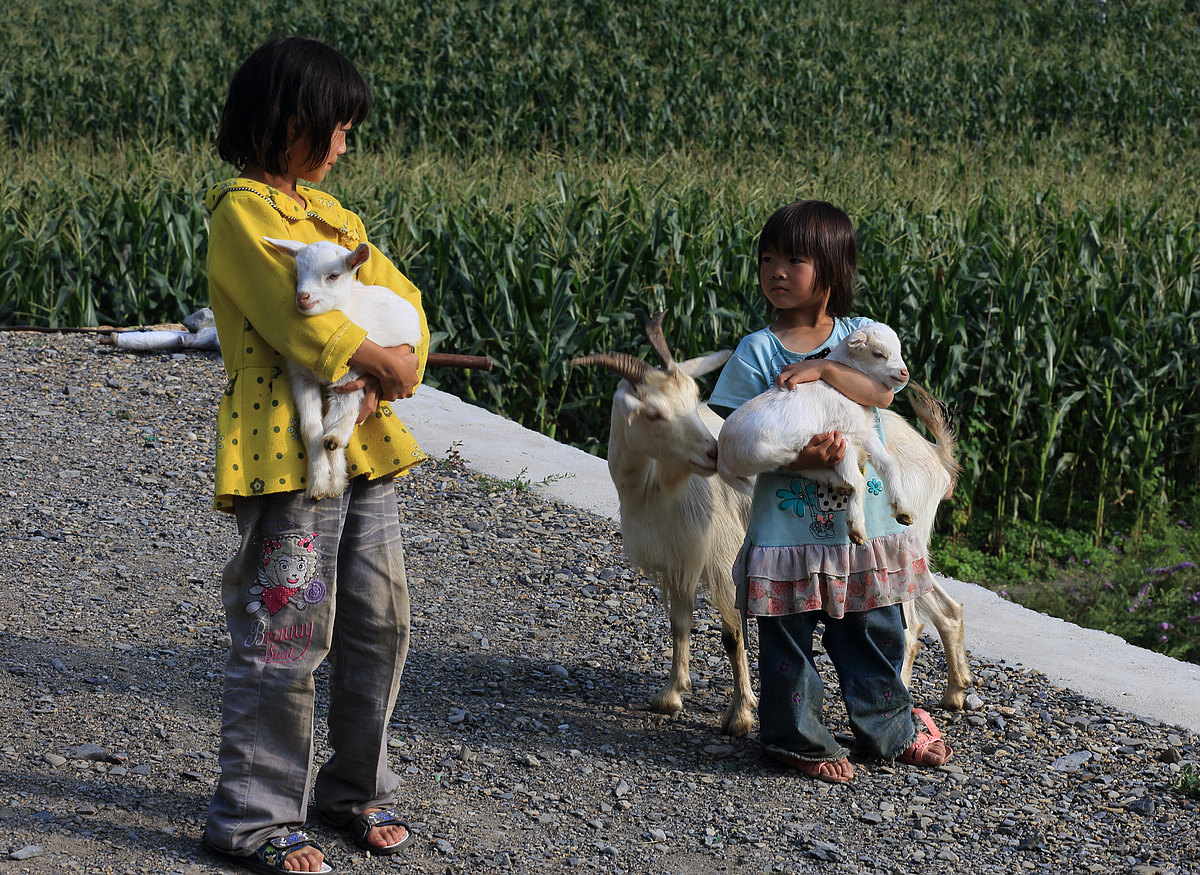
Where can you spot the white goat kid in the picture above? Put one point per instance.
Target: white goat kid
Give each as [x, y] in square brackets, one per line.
[325, 280]
[769, 430]
[679, 524]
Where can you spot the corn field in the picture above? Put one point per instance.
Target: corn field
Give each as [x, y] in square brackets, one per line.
[1023, 189]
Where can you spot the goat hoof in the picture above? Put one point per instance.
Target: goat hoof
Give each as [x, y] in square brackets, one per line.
[953, 701]
[737, 725]
[330, 443]
[664, 704]
[857, 538]
[904, 519]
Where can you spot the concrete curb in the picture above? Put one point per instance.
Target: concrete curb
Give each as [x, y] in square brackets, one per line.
[1093, 663]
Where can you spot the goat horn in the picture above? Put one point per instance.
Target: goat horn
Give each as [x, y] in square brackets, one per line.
[659, 343]
[632, 369]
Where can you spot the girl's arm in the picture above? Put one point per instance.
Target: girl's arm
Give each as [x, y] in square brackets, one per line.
[851, 382]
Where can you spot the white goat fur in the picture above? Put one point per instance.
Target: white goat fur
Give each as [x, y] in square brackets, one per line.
[769, 430]
[680, 524]
[325, 280]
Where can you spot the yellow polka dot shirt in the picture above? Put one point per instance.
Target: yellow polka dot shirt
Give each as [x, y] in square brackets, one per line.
[252, 288]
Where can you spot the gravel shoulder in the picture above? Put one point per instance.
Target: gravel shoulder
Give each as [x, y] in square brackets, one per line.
[516, 728]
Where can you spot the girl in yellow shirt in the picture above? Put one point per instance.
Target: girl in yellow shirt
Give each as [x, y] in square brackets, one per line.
[311, 578]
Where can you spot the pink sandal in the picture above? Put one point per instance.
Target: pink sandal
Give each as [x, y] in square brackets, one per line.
[914, 754]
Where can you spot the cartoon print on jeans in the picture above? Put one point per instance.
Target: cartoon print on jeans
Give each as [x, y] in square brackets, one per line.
[286, 577]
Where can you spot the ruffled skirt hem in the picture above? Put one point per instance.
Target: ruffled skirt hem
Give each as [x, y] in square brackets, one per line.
[837, 579]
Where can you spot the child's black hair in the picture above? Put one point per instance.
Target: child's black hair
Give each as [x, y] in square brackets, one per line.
[296, 82]
[822, 232]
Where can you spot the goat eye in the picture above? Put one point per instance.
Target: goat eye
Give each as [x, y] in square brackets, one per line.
[653, 416]
[880, 355]
[333, 277]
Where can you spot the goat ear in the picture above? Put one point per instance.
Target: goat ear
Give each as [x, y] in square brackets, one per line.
[858, 339]
[358, 257]
[628, 404]
[287, 247]
[705, 363]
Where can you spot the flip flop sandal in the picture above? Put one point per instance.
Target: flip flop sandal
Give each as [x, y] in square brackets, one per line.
[914, 754]
[809, 768]
[269, 857]
[362, 825]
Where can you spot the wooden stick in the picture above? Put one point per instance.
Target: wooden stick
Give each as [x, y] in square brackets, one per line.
[450, 360]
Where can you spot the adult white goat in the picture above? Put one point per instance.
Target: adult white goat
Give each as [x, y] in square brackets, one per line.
[325, 280]
[679, 524]
[767, 432]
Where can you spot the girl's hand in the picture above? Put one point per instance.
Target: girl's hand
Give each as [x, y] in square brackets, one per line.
[824, 451]
[394, 370]
[801, 372]
[371, 393]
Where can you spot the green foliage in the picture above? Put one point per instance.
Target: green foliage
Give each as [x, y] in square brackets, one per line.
[605, 76]
[1145, 590]
[1188, 782]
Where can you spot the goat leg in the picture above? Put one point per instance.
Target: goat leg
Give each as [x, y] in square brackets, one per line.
[679, 608]
[947, 617]
[889, 471]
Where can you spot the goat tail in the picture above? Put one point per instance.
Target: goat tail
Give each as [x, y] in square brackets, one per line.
[936, 417]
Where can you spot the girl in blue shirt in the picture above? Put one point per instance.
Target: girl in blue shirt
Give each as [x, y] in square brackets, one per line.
[797, 567]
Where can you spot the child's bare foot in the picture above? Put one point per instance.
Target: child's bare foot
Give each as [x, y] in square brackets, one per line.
[928, 748]
[294, 852]
[829, 771]
[387, 834]
[306, 859]
[380, 830]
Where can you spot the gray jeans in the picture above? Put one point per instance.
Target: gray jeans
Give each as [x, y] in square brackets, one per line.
[310, 579]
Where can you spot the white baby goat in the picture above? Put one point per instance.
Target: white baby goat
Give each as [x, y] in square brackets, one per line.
[325, 280]
[679, 524]
[769, 430]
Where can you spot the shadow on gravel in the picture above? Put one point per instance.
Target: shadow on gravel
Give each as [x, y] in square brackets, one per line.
[527, 704]
[80, 808]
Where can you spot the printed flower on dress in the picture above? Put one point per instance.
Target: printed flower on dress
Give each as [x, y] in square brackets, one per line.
[257, 486]
[875, 486]
[794, 499]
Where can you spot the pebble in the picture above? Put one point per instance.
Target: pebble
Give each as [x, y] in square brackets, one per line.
[516, 736]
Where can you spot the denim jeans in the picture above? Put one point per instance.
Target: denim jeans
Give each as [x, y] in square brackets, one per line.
[867, 650]
[311, 578]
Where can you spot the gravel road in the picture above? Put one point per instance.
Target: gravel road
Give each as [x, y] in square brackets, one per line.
[516, 729]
